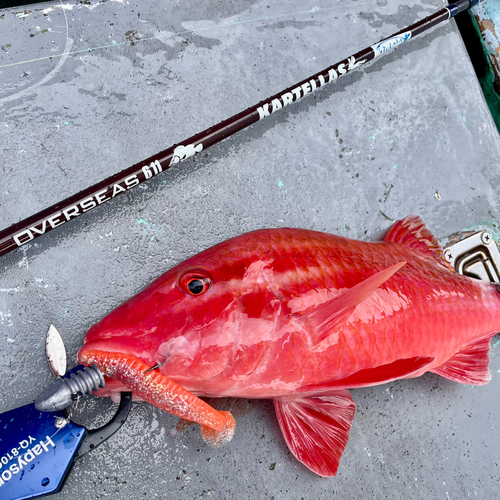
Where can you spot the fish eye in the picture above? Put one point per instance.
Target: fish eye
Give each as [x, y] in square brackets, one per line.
[195, 282]
[196, 286]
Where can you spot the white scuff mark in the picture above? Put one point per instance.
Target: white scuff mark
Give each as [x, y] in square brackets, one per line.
[51, 74]
[91, 6]
[10, 341]
[67, 26]
[7, 290]
[23, 15]
[6, 318]
[64, 6]
[23, 262]
[42, 282]
[167, 97]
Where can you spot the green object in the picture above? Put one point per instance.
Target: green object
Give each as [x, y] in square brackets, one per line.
[487, 79]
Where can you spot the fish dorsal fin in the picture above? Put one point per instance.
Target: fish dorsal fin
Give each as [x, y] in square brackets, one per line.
[323, 318]
[469, 365]
[413, 233]
[316, 428]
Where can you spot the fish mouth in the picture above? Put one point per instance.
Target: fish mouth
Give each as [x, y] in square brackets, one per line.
[217, 428]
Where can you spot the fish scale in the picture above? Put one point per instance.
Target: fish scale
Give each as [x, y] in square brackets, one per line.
[300, 316]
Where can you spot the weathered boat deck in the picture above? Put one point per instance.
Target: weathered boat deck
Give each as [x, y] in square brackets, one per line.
[409, 134]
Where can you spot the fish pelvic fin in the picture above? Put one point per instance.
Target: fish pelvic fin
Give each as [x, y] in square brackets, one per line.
[316, 428]
[413, 233]
[325, 317]
[469, 365]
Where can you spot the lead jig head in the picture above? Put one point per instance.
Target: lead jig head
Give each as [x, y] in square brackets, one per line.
[64, 391]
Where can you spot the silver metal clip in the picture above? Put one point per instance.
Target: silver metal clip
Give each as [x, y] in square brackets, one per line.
[476, 256]
[63, 422]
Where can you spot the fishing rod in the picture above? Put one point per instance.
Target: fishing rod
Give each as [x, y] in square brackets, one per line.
[42, 222]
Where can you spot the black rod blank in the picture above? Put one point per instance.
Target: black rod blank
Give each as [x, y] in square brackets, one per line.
[93, 196]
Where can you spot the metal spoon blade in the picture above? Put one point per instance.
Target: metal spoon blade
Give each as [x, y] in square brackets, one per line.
[56, 352]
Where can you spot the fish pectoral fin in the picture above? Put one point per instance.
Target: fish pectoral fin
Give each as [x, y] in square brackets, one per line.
[316, 428]
[323, 318]
[469, 365]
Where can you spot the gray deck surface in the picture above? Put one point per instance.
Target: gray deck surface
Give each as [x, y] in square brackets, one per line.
[409, 134]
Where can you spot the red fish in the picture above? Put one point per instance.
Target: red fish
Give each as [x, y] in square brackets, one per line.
[300, 317]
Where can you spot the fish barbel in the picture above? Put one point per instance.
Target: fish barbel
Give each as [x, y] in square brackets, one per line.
[298, 316]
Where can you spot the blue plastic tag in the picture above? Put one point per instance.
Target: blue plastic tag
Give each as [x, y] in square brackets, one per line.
[35, 455]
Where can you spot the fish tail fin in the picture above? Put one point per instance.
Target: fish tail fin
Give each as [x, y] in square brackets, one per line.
[470, 365]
